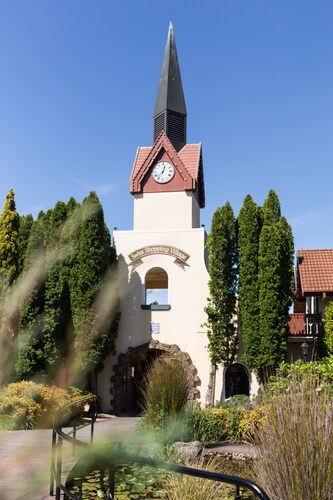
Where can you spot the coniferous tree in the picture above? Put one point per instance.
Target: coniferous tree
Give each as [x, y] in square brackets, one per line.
[72, 244]
[275, 283]
[221, 307]
[45, 323]
[30, 358]
[57, 299]
[287, 292]
[25, 226]
[94, 339]
[9, 223]
[249, 227]
[9, 227]
[265, 281]
[272, 344]
[272, 209]
[45, 316]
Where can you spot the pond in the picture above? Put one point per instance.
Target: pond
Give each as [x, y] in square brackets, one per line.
[133, 481]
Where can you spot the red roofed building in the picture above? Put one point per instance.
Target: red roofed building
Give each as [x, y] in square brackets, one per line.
[314, 290]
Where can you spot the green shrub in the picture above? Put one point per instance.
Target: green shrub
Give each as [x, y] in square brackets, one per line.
[320, 373]
[328, 327]
[239, 400]
[215, 425]
[251, 422]
[27, 405]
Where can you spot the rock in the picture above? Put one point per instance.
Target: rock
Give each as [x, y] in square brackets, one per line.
[188, 451]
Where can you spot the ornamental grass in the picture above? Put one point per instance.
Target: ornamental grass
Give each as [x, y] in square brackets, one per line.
[181, 486]
[164, 398]
[295, 446]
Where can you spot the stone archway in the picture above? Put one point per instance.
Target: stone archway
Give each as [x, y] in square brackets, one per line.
[236, 380]
[129, 374]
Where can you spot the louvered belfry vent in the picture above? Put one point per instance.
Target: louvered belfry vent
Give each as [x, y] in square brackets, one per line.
[170, 109]
[176, 127]
[159, 125]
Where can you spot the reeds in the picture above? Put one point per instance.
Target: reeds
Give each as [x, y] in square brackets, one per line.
[166, 390]
[295, 446]
[181, 486]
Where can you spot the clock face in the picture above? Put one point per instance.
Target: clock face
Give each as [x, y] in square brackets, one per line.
[163, 172]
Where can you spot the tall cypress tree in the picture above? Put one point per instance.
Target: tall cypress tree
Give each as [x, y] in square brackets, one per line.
[272, 344]
[9, 224]
[287, 293]
[57, 298]
[9, 227]
[271, 212]
[249, 227]
[222, 246]
[30, 357]
[265, 281]
[25, 226]
[275, 283]
[93, 340]
[73, 244]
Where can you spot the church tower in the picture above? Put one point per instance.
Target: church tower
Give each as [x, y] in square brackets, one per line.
[163, 280]
[167, 179]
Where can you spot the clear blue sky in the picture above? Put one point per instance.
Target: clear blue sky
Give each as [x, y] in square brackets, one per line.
[78, 85]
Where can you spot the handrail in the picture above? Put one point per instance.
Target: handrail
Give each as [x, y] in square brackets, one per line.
[58, 436]
[111, 457]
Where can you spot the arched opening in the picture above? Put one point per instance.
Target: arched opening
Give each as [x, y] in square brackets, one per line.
[156, 287]
[236, 381]
[136, 376]
[131, 370]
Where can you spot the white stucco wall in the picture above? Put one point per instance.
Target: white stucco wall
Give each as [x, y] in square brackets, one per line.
[188, 291]
[172, 211]
[184, 323]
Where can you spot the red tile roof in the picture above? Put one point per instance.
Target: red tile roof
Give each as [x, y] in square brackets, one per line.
[315, 268]
[141, 155]
[145, 157]
[190, 156]
[188, 161]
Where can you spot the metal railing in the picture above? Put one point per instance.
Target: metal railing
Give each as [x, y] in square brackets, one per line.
[302, 324]
[76, 415]
[111, 456]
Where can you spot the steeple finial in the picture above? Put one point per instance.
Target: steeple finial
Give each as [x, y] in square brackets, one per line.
[170, 109]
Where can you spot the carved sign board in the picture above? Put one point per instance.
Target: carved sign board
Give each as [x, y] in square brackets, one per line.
[137, 256]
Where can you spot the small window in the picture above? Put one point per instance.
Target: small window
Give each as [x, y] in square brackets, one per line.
[156, 287]
[156, 290]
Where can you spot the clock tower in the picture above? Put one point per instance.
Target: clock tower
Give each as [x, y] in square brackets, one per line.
[167, 178]
[163, 277]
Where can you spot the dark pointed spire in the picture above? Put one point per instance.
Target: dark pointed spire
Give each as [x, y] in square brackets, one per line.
[170, 109]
